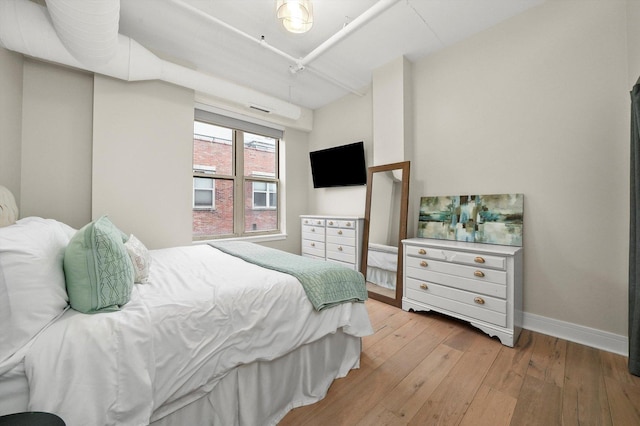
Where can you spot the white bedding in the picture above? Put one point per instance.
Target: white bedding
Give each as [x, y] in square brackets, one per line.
[382, 265]
[202, 314]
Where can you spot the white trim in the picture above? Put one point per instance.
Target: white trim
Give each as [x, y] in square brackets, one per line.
[199, 104]
[254, 238]
[595, 338]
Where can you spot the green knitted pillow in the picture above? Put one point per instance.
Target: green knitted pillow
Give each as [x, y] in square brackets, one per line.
[98, 270]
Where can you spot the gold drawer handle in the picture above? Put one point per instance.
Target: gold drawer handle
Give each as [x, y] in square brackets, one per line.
[422, 251]
[313, 244]
[319, 222]
[424, 264]
[348, 223]
[339, 248]
[306, 221]
[331, 222]
[424, 286]
[479, 300]
[339, 232]
[479, 259]
[479, 274]
[313, 229]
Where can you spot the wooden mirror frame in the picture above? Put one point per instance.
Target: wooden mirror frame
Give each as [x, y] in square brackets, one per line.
[402, 232]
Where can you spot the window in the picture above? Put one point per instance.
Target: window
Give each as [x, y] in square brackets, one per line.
[235, 178]
[265, 195]
[203, 191]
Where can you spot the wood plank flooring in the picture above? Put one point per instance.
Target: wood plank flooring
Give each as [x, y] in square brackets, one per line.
[428, 369]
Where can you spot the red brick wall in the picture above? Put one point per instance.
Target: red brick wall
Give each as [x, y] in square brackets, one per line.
[220, 220]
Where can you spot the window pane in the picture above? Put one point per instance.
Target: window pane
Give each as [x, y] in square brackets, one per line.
[202, 183]
[212, 149]
[259, 156]
[273, 199]
[260, 186]
[220, 220]
[259, 216]
[203, 198]
[259, 199]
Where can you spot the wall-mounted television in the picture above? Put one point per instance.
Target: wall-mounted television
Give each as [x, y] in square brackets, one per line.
[342, 165]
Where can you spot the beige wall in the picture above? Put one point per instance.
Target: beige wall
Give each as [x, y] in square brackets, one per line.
[74, 150]
[56, 143]
[345, 121]
[296, 173]
[142, 147]
[11, 66]
[539, 105]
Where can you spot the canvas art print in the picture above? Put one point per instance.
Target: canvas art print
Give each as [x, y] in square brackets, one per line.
[490, 219]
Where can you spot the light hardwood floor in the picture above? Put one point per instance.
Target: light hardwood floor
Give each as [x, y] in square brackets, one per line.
[428, 369]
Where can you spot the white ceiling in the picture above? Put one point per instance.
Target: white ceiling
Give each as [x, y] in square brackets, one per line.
[221, 37]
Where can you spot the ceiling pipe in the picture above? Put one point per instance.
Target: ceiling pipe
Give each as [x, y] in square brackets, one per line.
[302, 63]
[352, 26]
[27, 28]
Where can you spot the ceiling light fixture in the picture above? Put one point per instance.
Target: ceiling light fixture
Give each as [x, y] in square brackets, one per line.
[296, 15]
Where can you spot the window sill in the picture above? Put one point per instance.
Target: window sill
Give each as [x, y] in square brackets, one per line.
[253, 239]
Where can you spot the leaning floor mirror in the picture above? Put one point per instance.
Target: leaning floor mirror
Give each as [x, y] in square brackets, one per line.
[385, 226]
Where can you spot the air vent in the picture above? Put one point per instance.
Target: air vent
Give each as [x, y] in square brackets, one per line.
[260, 108]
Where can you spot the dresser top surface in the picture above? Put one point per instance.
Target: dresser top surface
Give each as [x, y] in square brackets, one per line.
[464, 246]
[331, 217]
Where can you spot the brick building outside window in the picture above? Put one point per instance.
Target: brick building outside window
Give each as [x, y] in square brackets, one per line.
[231, 165]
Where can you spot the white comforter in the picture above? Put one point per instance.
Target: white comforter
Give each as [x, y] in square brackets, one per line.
[202, 314]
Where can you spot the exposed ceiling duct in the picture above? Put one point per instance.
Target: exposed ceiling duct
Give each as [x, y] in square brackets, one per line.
[88, 29]
[66, 38]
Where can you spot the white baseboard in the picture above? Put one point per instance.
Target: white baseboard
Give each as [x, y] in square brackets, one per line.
[599, 339]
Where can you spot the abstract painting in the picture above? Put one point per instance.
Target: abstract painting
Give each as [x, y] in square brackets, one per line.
[490, 219]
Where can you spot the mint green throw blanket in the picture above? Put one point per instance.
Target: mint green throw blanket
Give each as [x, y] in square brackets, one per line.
[326, 283]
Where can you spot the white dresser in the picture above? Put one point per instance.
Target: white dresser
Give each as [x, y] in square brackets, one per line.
[333, 238]
[479, 283]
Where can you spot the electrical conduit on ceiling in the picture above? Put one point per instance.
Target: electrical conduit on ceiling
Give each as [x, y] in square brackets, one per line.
[66, 37]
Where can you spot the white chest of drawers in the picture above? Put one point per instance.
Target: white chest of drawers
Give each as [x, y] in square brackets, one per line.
[479, 283]
[333, 238]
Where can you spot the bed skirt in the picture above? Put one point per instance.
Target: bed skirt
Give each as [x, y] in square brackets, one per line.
[263, 392]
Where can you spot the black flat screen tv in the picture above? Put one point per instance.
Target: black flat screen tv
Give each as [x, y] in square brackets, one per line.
[342, 165]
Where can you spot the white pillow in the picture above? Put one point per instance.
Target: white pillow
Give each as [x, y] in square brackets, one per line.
[140, 258]
[8, 207]
[31, 256]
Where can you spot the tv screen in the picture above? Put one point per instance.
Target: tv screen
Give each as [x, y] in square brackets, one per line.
[339, 166]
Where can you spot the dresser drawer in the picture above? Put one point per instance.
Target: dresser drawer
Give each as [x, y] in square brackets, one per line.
[313, 233]
[477, 273]
[464, 258]
[488, 288]
[345, 264]
[313, 221]
[465, 303]
[342, 233]
[334, 223]
[344, 253]
[314, 248]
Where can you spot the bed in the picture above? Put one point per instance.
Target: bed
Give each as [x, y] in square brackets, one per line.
[206, 338]
[382, 265]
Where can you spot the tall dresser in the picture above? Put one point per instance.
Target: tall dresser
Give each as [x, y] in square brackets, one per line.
[479, 283]
[333, 238]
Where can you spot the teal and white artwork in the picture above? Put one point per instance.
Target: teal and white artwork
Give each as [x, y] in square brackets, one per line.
[490, 219]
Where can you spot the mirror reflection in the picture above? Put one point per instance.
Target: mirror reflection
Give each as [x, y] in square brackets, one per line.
[385, 228]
